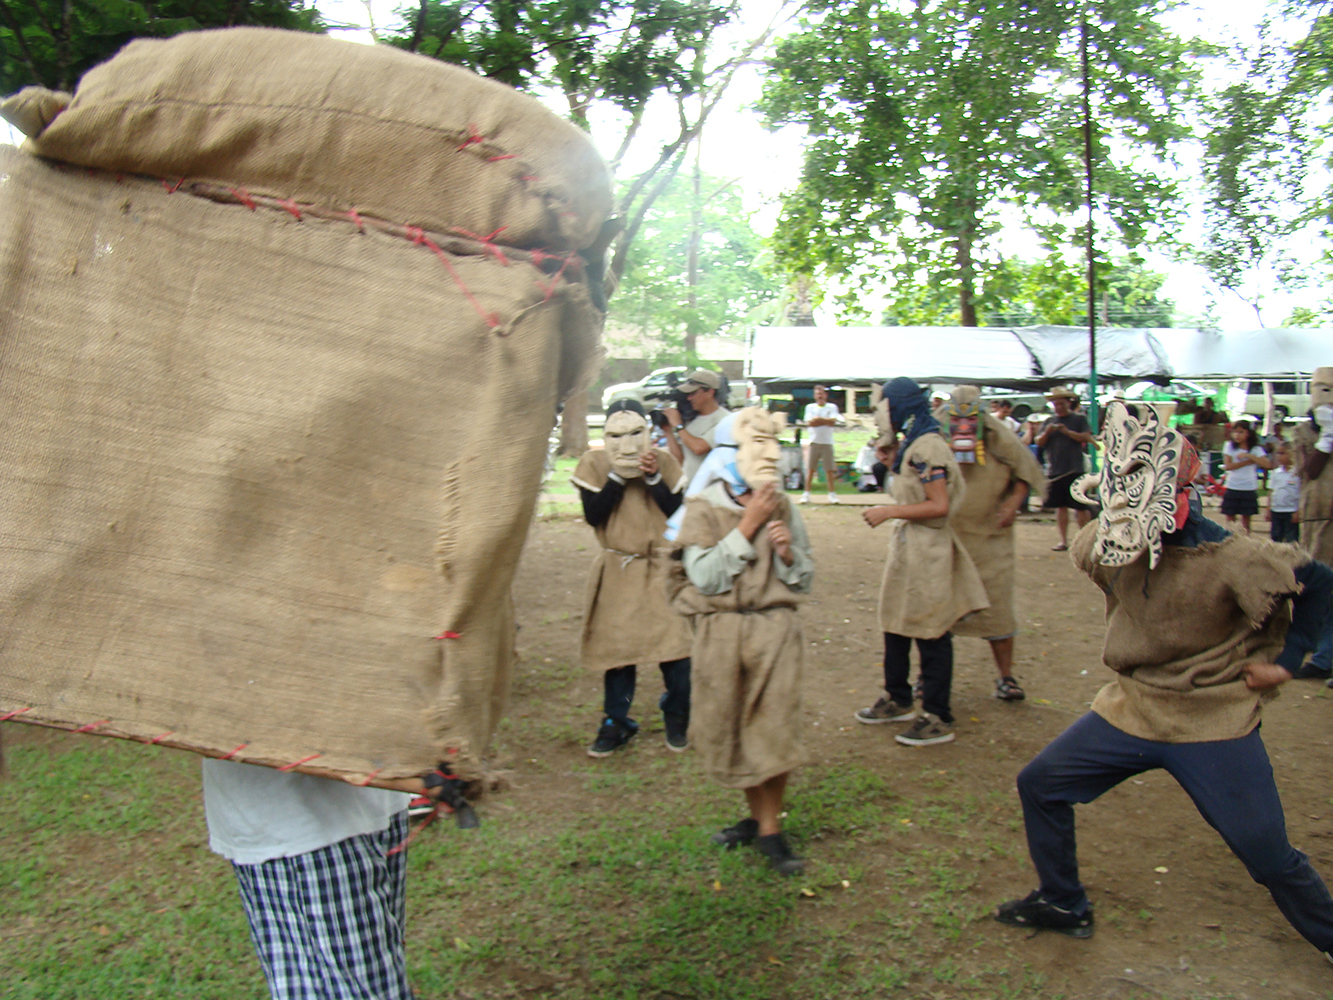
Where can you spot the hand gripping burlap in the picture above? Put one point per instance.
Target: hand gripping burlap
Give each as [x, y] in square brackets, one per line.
[267, 470]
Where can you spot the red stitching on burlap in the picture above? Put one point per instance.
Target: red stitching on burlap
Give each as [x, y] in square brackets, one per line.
[297, 763]
[291, 206]
[159, 739]
[244, 197]
[555, 278]
[529, 177]
[360, 227]
[448, 635]
[420, 238]
[506, 156]
[371, 776]
[473, 139]
[93, 725]
[487, 242]
[17, 711]
[172, 188]
[229, 756]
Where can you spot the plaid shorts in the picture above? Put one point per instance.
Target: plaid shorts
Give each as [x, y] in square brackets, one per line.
[328, 925]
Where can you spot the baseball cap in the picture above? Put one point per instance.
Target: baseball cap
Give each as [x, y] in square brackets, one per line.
[700, 378]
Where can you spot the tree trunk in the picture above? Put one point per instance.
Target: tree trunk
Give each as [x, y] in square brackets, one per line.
[574, 426]
[692, 257]
[967, 268]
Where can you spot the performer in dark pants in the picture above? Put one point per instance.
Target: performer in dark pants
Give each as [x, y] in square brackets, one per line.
[1188, 693]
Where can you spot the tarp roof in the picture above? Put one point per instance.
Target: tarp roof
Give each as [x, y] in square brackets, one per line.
[1033, 357]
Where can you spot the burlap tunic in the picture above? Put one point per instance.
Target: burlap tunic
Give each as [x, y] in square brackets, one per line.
[991, 547]
[1316, 498]
[746, 659]
[627, 618]
[1180, 635]
[930, 581]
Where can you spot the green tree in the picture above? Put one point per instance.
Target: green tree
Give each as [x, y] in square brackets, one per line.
[695, 267]
[932, 124]
[1054, 291]
[51, 43]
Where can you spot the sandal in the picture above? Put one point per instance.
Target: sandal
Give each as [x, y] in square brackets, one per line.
[1062, 547]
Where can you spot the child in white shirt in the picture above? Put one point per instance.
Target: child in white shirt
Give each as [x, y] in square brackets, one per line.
[1284, 500]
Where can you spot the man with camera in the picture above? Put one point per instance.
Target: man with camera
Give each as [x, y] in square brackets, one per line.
[690, 424]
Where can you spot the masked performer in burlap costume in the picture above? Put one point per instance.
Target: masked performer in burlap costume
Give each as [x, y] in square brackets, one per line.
[629, 490]
[1313, 443]
[744, 566]
[1000, 472]
[1201, 626]
[930, 581]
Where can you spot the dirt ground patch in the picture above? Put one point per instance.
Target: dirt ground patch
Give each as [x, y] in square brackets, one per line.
[1199, 928]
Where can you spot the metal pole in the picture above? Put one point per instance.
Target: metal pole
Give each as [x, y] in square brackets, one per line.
[1092, 268]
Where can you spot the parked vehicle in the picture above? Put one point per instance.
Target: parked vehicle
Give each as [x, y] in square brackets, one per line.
[655, 384]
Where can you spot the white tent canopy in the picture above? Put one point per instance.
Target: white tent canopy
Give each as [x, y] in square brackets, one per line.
[1034, 357]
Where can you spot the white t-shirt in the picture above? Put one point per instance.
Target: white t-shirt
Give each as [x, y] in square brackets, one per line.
[701, 426]
[1246, 477]
[1286, 495]
[256, 814]
[821, 435]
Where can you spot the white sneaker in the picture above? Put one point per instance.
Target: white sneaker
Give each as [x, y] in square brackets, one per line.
[805, 498]
[833, 498]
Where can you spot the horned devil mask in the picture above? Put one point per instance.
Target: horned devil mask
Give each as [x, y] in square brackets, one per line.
[625, 438]
[1142, 486]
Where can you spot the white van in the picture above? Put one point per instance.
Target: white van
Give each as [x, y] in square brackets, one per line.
[1291, 397]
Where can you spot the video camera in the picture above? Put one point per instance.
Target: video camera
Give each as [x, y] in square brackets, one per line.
[672, 396]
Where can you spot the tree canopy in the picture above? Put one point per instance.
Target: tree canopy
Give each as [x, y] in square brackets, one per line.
[51, 43]
[934, 124]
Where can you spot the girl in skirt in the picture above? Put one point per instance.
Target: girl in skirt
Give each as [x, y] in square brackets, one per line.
[1242, 458]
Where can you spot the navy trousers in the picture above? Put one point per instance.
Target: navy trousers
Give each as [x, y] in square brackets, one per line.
[618, 691]
[936, 671]
[1230, 781]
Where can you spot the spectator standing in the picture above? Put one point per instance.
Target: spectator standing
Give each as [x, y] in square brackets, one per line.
[1285, 499]
[1242, 458]
[689, 441]
[1064, 439]
[1003, 411]
[821, 417]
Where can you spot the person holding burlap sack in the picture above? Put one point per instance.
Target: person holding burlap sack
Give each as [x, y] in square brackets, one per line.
[1201, 627]
[1312, 441]
[930, 581]
[744, 566]
[629, 490]
[1000, 473]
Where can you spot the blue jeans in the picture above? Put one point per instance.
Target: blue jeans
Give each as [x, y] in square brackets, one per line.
[618, 686]
[1282, 528]
[1230, 781]
[1311, 629]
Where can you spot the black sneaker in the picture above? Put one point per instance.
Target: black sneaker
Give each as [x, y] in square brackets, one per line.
[927, 731]
[1310, 672]
[741, 834]
[420, 806]
[886, 710]
[677, 729]
[780, 858]
[1034, 912]
[610, 738]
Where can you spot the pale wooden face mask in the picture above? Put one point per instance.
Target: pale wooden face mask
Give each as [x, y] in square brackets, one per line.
[625, 439]
[757, 448]
[1137, 487]
[1321, 387]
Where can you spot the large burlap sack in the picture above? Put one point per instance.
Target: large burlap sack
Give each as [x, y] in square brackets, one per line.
[372, 128]
[264, 480]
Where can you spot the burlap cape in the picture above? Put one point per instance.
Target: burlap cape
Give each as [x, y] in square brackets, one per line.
[929, 579]
[991, 547]
[627, 617]
[747, 656]
[1179, 635]
[1316, 498]
[267, 470]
